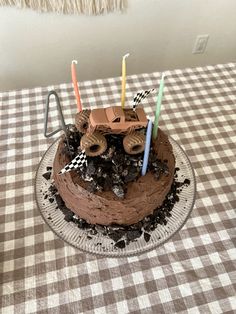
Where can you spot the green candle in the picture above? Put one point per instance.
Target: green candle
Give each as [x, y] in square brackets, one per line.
[158, 107]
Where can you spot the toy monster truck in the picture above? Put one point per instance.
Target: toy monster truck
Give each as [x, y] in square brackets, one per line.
[112, 120]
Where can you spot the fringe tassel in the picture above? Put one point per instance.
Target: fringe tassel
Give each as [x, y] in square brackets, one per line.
[88, 7]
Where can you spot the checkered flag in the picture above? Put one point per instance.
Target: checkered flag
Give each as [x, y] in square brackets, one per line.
[140, 96]
[76, 163]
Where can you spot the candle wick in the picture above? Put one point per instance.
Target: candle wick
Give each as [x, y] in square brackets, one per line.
[126, 56]
[74, 61]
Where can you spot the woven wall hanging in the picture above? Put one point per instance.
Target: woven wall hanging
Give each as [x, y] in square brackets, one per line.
[88, 7]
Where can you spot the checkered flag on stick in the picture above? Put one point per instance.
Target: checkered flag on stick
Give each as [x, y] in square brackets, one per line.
[140, 96]
[76, 163]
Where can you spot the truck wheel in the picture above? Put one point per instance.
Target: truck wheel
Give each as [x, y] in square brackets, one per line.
[81, 120]
[94, 144]
[134, 143]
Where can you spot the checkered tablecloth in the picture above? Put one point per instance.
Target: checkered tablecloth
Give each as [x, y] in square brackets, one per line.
[195, 272]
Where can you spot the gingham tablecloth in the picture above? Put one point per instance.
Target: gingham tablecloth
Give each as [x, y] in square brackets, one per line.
[195, 272]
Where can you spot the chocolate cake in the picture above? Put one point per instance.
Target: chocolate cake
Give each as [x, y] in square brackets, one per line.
[110, 189]
[113, 178]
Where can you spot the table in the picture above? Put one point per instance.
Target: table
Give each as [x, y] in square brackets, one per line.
[195, 272]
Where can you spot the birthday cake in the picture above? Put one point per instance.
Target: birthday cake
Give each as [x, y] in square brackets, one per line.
[98, 169]
[114, 171]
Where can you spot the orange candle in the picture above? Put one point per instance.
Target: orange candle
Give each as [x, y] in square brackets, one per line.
[75, 83]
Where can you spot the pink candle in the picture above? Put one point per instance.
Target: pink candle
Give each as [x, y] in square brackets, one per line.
[76, 89]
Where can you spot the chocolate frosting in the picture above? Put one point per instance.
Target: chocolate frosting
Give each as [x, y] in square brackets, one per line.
[105, 208]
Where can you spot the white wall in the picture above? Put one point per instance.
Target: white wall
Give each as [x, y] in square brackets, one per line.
[36, 49]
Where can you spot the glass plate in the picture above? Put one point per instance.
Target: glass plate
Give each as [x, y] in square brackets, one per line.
[103, 245]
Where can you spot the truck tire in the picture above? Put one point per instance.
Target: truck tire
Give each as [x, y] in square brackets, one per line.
[82, 120]
[134, 143]
[94, 144]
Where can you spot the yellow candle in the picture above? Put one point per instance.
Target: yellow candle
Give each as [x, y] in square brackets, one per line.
[123, 80]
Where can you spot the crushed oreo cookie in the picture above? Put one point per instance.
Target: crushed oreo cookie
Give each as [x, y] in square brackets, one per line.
[121, 244]
[122, 235]
[114, 169]
[118, 190]
[146, 236]
[47, 175]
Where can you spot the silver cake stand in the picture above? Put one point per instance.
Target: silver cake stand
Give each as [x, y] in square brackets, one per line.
[103, 245]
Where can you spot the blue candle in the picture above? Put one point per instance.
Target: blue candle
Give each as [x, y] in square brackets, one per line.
[147, 148]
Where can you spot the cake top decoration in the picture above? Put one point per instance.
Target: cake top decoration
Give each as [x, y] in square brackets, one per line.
[97, 123]
[63, 126]
[78, 162]
[94, 125]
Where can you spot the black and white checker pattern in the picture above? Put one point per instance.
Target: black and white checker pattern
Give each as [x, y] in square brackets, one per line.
[141, 96]
[78, 162]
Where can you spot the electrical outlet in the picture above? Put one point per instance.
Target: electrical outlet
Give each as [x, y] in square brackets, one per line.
[200, 43]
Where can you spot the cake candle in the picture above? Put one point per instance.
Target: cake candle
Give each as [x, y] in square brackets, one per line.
[123, 87]
[75, 83]
[158, 107]
[147, 148]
